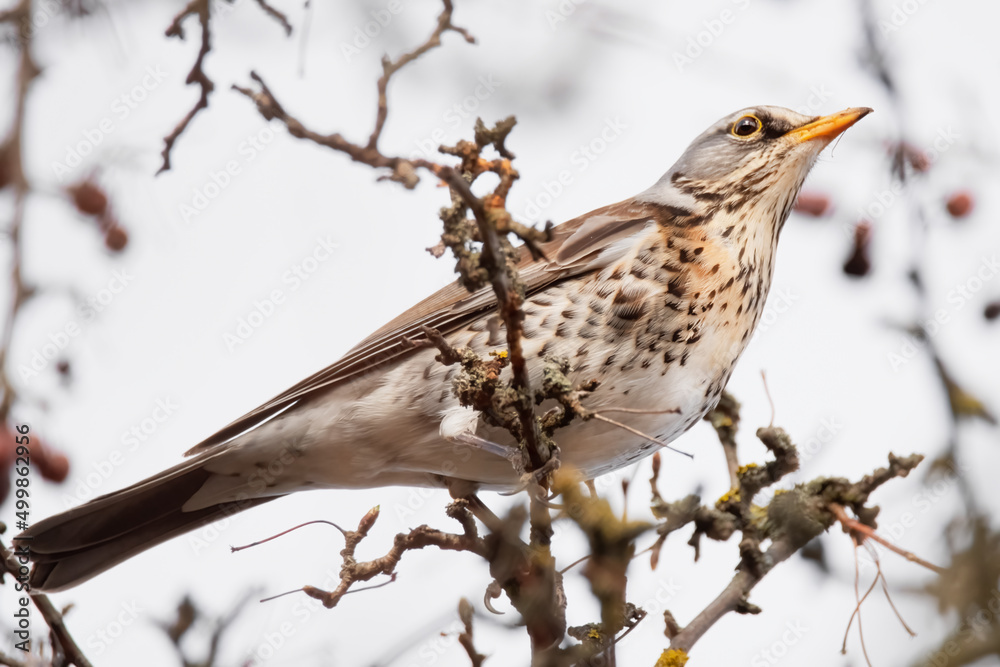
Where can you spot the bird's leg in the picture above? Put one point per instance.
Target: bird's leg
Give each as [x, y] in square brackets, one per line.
[484, 513]
[459, 426]
[485, 445]
[535, 479]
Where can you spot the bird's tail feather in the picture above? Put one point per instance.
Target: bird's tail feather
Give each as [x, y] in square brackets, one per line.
[74, 546]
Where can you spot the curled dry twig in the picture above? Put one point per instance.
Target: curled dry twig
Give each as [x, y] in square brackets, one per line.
[197, 75]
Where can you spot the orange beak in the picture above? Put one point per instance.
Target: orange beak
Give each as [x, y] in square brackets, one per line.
[828, 127]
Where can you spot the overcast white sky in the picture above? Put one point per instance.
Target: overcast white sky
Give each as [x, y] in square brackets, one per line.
[610, 68]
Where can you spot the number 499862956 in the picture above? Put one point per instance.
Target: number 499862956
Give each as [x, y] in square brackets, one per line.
[21, 469]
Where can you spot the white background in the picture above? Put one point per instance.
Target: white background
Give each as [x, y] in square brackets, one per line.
[826, 352]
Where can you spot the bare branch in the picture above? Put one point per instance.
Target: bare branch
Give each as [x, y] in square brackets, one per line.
[465, 612]
[861, 532]
[52, 617]
[278, 16]
[353, 571]
[199, 8]
[389, 67]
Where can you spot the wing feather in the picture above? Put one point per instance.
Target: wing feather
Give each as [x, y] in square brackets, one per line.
[577, 246]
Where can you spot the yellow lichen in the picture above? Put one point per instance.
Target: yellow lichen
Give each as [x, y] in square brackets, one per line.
[672, 658]
[594, 633]
[742, 470]
[499, 354]
[731, 494]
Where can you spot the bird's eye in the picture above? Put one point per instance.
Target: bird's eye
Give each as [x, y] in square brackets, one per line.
[747, 126]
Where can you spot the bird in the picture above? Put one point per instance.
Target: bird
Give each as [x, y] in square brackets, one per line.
[654, 298]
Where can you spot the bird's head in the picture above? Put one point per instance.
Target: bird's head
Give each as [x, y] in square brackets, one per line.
[752, 160]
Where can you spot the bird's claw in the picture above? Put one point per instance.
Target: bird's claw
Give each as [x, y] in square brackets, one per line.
[492, 593]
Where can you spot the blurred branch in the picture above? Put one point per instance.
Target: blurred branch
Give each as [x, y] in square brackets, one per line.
[465, 612]
[53, 618]
[199, 8]
[11, 661]
[202, 9]
[389, 67]
[278, 16]
[973, 573]
[188, 616]
[12, 168]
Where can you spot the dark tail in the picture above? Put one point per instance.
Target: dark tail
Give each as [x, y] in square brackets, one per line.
[74, 546]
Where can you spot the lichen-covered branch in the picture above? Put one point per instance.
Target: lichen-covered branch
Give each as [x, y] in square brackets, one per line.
[790, 521]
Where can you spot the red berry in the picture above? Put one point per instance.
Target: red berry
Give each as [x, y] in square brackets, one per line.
[57, 468]
[813, 203]
[960, 204]
[917, 158]
[88, 197]
[116, 238]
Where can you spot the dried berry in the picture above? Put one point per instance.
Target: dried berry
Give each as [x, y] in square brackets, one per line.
[992, 310]
[859, 263]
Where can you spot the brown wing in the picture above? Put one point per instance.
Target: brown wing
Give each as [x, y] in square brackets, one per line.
[575, 248]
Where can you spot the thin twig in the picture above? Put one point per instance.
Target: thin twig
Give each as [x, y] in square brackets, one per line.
[202, 9]
[199, 8]
[866, 531]
[276, 15]
[285, 532]
[651, 438]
